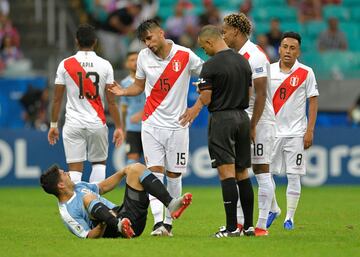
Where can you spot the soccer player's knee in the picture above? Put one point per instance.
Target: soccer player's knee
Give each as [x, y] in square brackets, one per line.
[294, 182]
[136, 169]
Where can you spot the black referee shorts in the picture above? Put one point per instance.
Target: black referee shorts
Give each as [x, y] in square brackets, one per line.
[229, 138]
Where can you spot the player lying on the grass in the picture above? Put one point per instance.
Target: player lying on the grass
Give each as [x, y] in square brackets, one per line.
[88, 215]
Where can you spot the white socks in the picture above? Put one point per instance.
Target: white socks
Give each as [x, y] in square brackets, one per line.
[97, 173]
[75, 176]
[265, 196]
[292, 195]
[239, 212]
[174, 187]
[274, 205]
[157, 208]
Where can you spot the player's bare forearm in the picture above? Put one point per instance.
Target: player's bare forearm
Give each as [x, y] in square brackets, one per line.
[260, 85]
[57, 101]
[205, 97]
[113, 108]
[111, 182]
[97, 232]
[313, 108]
[136, 88]
[123, 116]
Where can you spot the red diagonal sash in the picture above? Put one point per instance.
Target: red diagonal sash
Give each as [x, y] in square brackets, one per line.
[288, 87]
[165, 82]
[73, 67]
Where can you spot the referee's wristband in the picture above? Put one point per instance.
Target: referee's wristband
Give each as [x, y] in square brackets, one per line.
[53, 125]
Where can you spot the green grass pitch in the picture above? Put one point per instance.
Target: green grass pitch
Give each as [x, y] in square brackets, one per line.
[327, 224]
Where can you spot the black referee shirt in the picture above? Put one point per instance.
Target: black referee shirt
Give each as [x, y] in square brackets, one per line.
[228, 75]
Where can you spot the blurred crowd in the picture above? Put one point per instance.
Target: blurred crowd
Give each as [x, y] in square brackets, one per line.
[118, 19]
[10, 51]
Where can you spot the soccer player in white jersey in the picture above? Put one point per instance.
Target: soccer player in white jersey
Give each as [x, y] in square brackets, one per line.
[85, 77]
[236, 31]
[163, 71]
[292, 84]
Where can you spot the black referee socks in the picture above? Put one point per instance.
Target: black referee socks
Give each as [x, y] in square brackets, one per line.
[230, 197]
[247, 201]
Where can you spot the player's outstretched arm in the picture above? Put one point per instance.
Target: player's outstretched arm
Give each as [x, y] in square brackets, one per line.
[53, 134]
[135, 89]
[118, 135]
[111, 182]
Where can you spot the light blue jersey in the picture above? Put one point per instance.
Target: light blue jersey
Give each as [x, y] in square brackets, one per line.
[73, 212]
[134, 105]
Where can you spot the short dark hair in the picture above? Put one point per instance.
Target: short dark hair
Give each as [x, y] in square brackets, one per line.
[210, 31]
[145, 26]
[293, 35]
[86, 35]
[50, 179]
[131, 53]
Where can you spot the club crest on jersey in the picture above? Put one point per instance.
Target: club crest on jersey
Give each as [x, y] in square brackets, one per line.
[294, 81]
[176, 65]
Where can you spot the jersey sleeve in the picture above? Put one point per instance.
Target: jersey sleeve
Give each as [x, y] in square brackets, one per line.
[60, 74]
[311, 85]
[259, 67]
[140, 72]
[77, 226]
[93, 187]
[205, 81]
[110, 74]
[196, 63]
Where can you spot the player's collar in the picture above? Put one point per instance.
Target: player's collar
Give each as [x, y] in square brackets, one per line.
[293, 68]
[171, 53]
[245, 46]
[88, 53]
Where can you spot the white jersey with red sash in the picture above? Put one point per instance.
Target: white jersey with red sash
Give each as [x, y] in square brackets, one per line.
[289, 93]
[167, 84]
[260, 67]
[85, 76]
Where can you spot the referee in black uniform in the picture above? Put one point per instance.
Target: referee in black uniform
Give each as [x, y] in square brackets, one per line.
[224, 87]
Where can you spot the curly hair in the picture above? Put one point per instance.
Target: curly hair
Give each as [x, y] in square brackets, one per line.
[240, 22]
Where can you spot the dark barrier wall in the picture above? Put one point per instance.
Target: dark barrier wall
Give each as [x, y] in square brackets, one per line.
[334, 159]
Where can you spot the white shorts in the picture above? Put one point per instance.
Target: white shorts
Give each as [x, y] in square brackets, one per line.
[165, 147]
[264, 142]
[81, 144]
[289, 156]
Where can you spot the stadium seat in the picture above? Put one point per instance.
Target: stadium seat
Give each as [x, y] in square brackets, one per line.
[261, 28]
[165, 12]
[350, 3]
[314, 28]
[291, 26]
[262, 3]
[339, 12]
[355, 14]
[268, 13]
[308, 44]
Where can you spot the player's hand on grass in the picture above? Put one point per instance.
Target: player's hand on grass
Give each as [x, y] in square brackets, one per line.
[118, 137]
[308, 139]
[53, 136]
[116, 89]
